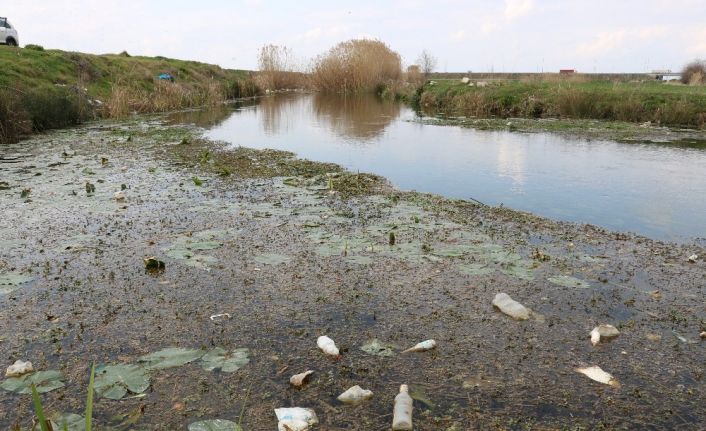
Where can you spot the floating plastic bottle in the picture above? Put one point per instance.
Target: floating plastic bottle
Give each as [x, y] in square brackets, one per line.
[355, 395]
[422, 347]
[327, 345]
[402, 414]
[510, 307]
[119, 196]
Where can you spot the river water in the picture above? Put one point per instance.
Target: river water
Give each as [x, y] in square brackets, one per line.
[655, 190]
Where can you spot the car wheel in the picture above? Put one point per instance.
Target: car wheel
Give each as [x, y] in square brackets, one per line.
[12, 42]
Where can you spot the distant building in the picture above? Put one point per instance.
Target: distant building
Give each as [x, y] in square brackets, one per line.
[567, 71]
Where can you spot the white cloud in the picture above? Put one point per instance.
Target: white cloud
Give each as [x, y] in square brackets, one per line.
[604, 42]
[517, 8]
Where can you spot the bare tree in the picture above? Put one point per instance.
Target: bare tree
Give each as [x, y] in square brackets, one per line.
[427, 62]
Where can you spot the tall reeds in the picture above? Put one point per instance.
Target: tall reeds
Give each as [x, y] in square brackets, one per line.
[356, 65]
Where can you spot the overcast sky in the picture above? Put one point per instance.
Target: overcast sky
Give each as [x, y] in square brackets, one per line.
[502, 35]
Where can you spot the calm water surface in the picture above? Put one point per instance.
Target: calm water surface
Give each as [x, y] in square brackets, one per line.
[655, 190]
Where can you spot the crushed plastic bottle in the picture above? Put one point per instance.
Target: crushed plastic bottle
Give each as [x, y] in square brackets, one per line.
[595, 373]
[297, 380]
[119, 196]
[422, 347]
[603, 332]
[355, 395]
[19, 368]
[295, 418]
[327, 345]
[510, 307]
[402, 414]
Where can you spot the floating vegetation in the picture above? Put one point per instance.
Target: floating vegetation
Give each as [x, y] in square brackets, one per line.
[220, 359]
[115, 381]
[475, 269]
[170, 357]
[377, 348]
[272, 259]
[10, 281]
[568, 281]
[44, 381]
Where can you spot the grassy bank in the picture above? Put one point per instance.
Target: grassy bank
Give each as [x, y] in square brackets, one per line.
[41, 89]
[661, 103]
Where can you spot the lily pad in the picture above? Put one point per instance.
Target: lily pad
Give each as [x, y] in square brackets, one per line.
[419, 393]
[44, 381]
[170, 357]
[568, 281]
[203, 245]
[272, 259]
[190, 258]
[360, 260]
[227, 362]
[72, 421]
[215, 425]
[377, 348]
[521, 271]
[114, 381]
[476, 269]
[10, 281]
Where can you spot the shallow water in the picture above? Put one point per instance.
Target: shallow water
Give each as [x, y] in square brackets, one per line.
[652, 189]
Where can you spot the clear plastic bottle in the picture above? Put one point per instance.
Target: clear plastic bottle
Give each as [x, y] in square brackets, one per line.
[402, 414]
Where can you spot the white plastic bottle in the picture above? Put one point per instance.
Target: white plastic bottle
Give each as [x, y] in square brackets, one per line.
[402, 414]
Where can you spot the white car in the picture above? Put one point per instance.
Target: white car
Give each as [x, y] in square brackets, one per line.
[8, 34]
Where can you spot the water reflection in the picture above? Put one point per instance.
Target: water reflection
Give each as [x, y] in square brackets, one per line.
[656, 190]
[361, 116]
[201, 117]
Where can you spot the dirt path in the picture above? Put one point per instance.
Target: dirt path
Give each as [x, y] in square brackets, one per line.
[292, 253]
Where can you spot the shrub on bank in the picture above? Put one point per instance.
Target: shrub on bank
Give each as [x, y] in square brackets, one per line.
[694, 73]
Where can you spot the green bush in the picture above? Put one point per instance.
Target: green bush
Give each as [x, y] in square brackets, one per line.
[52, 108]
[34, 47]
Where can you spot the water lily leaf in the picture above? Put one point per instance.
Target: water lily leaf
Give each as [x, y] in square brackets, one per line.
[475, 269]
[192, 259]
[272, 259]
[227, 362]
[44, 381]
[215, 425]
[418, 393]
[72, 421]
[13, 279]
[114, 381]
[204, 245]
[523, 272]
[170, 357]
[568, 281]
[377, 348]
[360, 260]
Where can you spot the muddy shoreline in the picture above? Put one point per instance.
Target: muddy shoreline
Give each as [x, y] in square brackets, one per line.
[292, 250]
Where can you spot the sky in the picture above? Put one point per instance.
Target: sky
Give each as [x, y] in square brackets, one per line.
[475, 35]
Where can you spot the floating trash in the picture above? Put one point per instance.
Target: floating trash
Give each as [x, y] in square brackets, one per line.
[295, 418]
[603, 332]
[402, 413]
[510, 307]
[298, 380]
[422, 347]
[19, 368]
[595, 373]
[327, 346]
[355, 395]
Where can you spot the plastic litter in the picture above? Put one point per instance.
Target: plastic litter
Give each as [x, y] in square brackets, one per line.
[327, 345]
[422, 347]
[693, 258]
[703, 335]
[221, 316]
[295, 418]
[402, 413]
[355, 395]
[119, 196]
[153, 264]
[595, 373]
[603, 332]
[19, 368]
[510, 307]
[297, 380]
